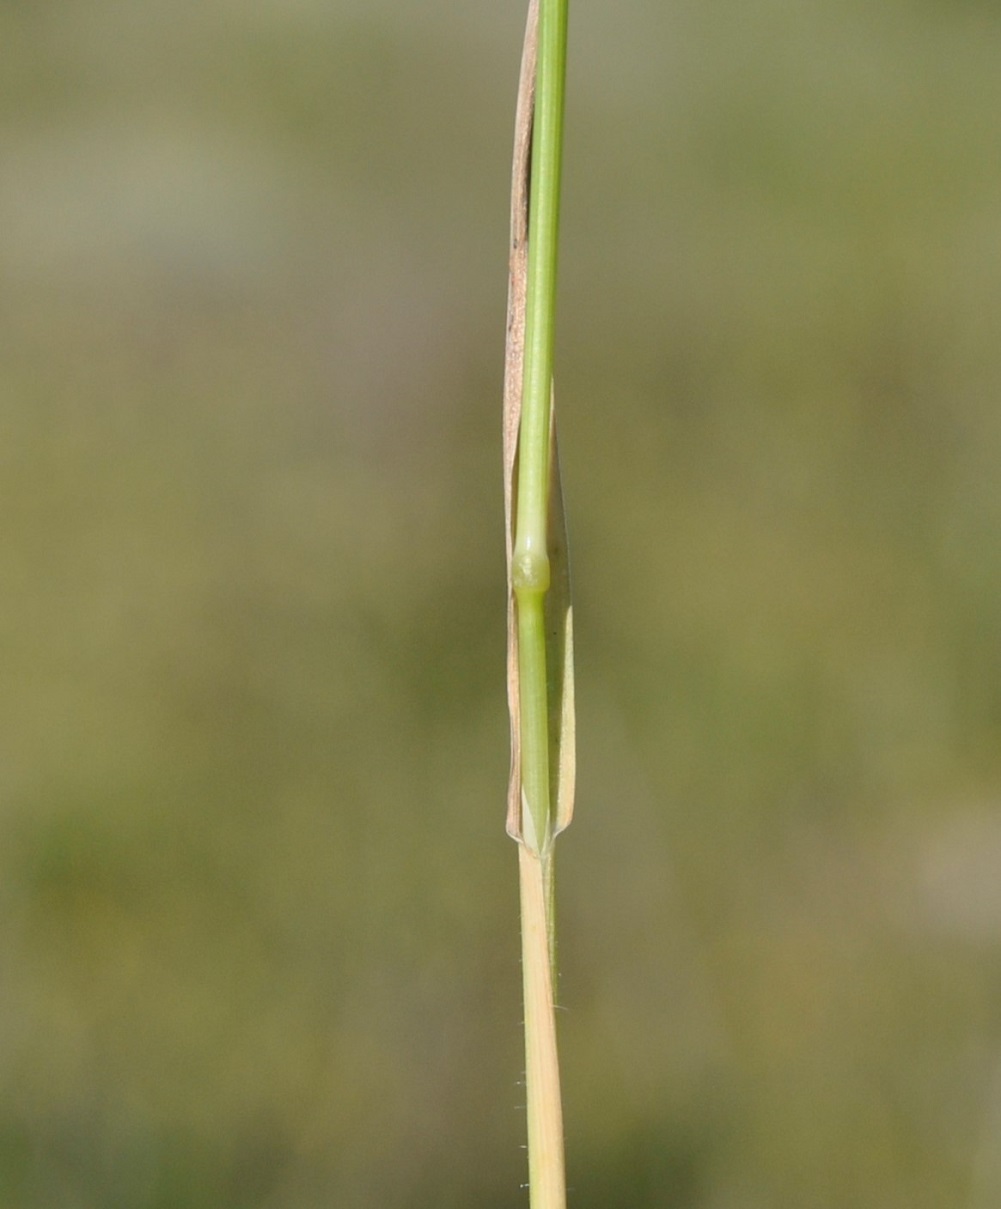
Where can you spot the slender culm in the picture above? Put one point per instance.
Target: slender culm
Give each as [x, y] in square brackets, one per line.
[540, 632]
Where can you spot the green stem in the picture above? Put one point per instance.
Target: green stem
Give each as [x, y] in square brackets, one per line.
[530, 578]
[530, 569]
[536, 822]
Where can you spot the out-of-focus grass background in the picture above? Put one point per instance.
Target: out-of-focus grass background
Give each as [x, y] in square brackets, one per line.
[257, 908]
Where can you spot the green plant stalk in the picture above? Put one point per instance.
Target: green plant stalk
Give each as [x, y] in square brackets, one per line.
[530, 567]
[530, 580]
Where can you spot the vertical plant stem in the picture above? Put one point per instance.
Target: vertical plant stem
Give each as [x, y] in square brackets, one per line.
[540, 746]
[546, 1178]
[530, 569]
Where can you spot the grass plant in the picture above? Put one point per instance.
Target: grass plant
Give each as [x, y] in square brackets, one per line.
[540, 635]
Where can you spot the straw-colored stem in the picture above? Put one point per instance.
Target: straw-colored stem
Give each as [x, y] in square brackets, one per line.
[547, 1181]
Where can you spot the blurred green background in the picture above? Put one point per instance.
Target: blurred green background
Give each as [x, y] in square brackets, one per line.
[257, 909]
